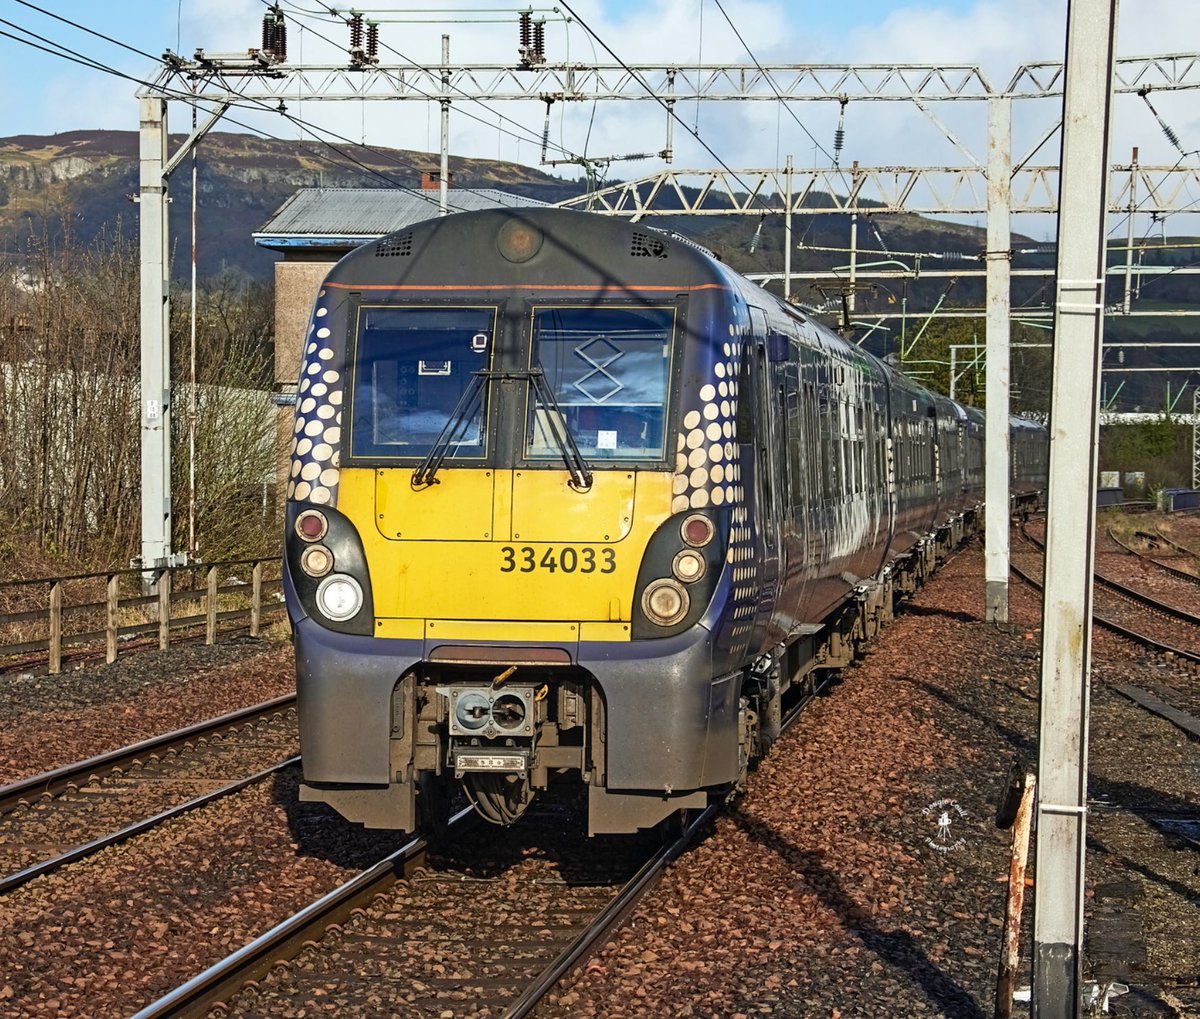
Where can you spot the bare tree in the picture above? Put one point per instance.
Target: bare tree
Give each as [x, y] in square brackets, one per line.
[69, 398]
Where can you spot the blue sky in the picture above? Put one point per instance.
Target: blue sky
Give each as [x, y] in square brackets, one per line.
[45, 94]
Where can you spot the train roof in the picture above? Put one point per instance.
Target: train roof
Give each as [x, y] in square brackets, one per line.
[534, 247]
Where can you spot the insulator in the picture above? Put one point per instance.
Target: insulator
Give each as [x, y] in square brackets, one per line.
[953, 256]
[1172, 137]
[373, 40]
[539, 42]
[839, 135]
[268, 35]
[546, 132]
[356, 32]
[757, 235]
[280, 46]
[526, 30]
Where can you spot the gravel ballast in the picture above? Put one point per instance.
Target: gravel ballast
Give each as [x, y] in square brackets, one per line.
[51, 721]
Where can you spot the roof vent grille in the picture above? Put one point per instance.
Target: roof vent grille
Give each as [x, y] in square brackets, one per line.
[645, 246]
[394, 244]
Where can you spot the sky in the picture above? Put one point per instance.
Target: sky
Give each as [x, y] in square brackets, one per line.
[44, 93]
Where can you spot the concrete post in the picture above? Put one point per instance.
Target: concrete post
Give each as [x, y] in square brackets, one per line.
[996, 459]
[787, 232]
[1070, 522]
[1127, 300]
[444, 184]
[155, 344]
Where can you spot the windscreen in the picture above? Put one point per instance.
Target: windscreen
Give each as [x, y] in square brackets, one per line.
[411, 368]
[609, 370]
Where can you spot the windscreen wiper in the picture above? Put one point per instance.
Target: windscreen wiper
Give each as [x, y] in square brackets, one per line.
[581, 474]
[451, 431]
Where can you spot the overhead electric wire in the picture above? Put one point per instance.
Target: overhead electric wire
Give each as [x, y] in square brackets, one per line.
[770, 81]
[661, 102]
[90, 31]
[65, 53]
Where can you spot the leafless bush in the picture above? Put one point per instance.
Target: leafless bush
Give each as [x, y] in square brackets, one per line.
[69, 399]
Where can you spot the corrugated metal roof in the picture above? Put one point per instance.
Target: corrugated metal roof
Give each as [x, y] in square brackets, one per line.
[323, 216]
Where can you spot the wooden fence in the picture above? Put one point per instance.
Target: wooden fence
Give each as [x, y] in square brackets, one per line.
[174, 608]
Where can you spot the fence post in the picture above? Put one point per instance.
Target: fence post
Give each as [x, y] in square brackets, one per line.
[1006, 979]
[256, 599]
[210, 629]
[112, 603]
[164, 608]
[55, 627]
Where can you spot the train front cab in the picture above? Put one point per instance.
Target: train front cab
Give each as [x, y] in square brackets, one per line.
[542, 591]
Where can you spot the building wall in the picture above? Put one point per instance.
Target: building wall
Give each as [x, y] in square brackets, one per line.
[296, 286]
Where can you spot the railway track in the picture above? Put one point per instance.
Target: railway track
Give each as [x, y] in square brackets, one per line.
[482, 926]
[1140, 617]
[1155, 538]
[485, 926]
[1130, 614]
[53, 819]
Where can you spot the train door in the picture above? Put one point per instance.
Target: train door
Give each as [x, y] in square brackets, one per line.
[767, 469]
[935, 465]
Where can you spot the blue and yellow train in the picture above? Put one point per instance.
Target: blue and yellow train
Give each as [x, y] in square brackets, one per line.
[568, 495]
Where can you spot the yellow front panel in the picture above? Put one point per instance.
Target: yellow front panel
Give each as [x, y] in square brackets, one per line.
[459, 506]
[546, 508]
[559, 579]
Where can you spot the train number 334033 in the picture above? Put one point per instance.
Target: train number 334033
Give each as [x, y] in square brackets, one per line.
[526, 559]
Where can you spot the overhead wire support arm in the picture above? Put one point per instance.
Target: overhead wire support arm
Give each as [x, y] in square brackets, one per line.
[878, 190]
[199, 132]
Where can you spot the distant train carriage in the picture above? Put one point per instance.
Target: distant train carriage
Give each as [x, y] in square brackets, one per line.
[570, 496]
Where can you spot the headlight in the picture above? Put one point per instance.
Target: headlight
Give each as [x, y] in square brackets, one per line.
[665, 602]
[316, 560]
[339, 597]
[689, 566]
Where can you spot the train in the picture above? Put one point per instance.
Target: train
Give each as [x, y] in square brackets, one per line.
[570, 500]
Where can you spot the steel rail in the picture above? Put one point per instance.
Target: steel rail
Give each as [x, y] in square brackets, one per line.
[1117, 628]
[1181, 549]
[285, 940]
[1128, 592]
[1170, 570]
[612, 917]
[58, 780]
[54, 863]
[598, 932]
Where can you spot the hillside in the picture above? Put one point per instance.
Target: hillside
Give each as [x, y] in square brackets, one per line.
[92, 176]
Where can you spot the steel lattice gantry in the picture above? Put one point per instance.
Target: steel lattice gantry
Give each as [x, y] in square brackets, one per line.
[875, 190]
[237, 78]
